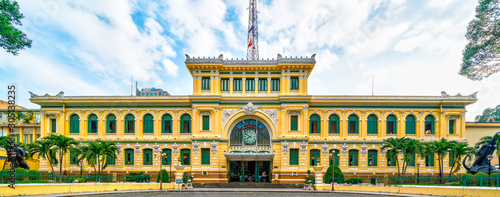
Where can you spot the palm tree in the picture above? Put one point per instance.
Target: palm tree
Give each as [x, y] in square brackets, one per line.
[5, 142]
[441, 148]
[483, 141]
[79, 153]
[426, 150]
[410, 148]
[62, 144]
[458, 150]
[108, 149]
[394, 147]
[90, 152]
[44, 150]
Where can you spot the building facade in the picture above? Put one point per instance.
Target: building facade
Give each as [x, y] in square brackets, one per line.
[249, 116]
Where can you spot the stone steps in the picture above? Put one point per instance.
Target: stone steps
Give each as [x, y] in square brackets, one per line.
[246, 185]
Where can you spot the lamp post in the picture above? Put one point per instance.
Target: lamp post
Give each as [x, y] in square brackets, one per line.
[332, 157]
[418, 173]
[489, 168]
[162, 156]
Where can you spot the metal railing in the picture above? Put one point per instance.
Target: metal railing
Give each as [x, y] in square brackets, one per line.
[73, 178]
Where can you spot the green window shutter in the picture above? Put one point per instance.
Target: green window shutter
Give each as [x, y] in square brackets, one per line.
[294, 156]
[186, 157]
[410, 124]
[294, 121]
[411, 162]
[111, 124]
[250, 85]
[206, 123]
[53, 125]
[205, 156]
[315, 124]
[205, 83]
[129, 157]
[74, 126]
[429, 161]
[168, 157]
[391, 125]
[262, 84]
[353, 124]
[334, 124]
[450, 159]
[451, 126]
[372, 158]
[148, 124]
[275, 84]
[72, 158]
[166, 123]
[429, 124]
[294, 83]
[237, 84]
[372, 124]
[110, 160]
[353, 158]
[147, 157]
[92, 124]
[129, 124]
[224, 85]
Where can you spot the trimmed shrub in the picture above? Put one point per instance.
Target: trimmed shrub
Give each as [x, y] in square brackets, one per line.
[186, 178]
[494, 177]
[21, 171]
[137, 177]
[33, 174]
[309, 179]
[164, 176]
[481, 179]
[339, 176]
[355, 180]
[455, 184]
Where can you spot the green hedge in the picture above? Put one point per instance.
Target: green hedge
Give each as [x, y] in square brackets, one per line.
[355, 180]
[137, 177]
[164, 175]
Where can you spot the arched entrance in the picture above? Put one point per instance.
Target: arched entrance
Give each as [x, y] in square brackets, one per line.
[250, 153]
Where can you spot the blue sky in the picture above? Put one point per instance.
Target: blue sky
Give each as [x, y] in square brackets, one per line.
[90, 47]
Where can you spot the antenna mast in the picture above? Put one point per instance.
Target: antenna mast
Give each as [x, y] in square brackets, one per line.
[253, 34]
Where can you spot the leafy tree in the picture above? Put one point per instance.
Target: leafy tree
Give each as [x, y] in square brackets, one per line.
[481, 54]
[61, 144]
[489, 115]
[483, 141]
[107, 149]
[458, 150]
[5, 141]
[339, 175]
[164, 176]
[11, 38]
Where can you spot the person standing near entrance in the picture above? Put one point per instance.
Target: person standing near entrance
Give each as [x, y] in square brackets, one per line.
[264, 176]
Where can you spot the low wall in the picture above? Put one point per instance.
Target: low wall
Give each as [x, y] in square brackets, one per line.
[38, 189]
[423, 190]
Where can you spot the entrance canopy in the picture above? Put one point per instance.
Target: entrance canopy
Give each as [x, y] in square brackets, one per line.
[249, 156]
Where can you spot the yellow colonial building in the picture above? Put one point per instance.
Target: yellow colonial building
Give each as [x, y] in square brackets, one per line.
[249, 116]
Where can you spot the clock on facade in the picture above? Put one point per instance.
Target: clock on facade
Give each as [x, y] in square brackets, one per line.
[250, 136]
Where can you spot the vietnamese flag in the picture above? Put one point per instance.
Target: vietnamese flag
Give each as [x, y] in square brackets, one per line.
[250, 44]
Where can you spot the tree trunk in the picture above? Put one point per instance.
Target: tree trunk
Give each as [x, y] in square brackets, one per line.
[451, 170]
[397, 163]
[3, 168]
[60, 165]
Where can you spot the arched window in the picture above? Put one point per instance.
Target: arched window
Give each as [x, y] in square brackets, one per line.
[315, 157]
[334, 123]
[186, 123]
[93, 123]
[429, 124]
[166, 123]
[129, 156]
[372, 157]
[353, 123]
[353, 157]
[147, 157]
[410, 124]
[314, 124]
[74, 124]
[391, 124]
[168, 156]
[186, 157]
[111, 123]
[148, 124]
[392, 161]
[129, 124]
[372, 124]
[335, 154]
[429, 160]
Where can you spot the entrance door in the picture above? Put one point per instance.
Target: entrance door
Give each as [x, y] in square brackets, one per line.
[249, 171]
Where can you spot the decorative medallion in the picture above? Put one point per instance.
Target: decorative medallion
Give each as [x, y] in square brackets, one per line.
[382, 151]
[344, 149]
[156, 148]
[324, 149]
[175, 148]
[137, 148]
[196, 147]
[118, 147]
[213, 147]
[285, 148]
[273, 113]
[249, 109]
[364, 150]
[303, 147]
[226, 113]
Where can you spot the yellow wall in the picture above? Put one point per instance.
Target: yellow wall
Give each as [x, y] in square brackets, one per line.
[475, 131]
[40, 189]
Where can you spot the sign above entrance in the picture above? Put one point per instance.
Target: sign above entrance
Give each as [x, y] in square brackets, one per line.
[250, 132]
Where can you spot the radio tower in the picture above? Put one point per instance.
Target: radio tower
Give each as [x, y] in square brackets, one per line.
[253, 34]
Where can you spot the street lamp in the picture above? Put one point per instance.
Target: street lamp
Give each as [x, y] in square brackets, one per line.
[489, 168]
[418, 173]
[162, 156]
[332, 157]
